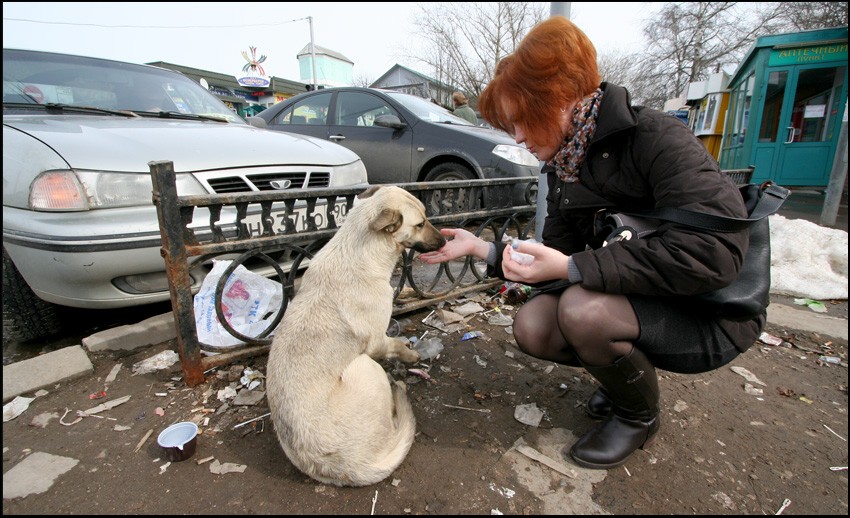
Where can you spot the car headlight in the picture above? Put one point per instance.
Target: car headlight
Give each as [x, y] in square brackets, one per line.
[516, 154]
[70, 190]
[349, 174]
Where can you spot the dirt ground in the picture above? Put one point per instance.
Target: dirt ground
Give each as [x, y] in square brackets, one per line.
[721, 450]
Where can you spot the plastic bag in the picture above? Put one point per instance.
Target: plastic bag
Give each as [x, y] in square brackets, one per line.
[249, 302]
[519, 257]
[428, 348]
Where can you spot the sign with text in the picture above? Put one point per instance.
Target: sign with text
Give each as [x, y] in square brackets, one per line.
[809, 55]
[253, 81]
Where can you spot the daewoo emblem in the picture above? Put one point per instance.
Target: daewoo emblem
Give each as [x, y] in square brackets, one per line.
[280, 184]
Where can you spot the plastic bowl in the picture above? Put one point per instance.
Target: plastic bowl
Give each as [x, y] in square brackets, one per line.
[178, 441]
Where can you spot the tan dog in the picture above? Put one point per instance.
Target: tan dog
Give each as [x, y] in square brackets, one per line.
[338, 417]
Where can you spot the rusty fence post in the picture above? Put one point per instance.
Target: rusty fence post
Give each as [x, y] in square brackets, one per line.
[177, 268]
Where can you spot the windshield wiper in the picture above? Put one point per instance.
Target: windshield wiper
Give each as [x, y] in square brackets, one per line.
[62, 108]
[187, 116]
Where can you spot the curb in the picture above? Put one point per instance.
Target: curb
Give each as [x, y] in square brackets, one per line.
[151, 331]
[806, 320]
[45, 370]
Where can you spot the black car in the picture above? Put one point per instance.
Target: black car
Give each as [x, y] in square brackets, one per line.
[404, 138]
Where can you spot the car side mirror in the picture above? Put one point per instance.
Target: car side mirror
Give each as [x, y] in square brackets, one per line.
[389, 121]
[257, 122]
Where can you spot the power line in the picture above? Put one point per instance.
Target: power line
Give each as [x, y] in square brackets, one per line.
[153, 26]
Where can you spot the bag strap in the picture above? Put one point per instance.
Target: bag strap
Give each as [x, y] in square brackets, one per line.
[771, 197]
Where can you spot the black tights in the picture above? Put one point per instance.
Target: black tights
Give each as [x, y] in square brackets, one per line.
[597, 327]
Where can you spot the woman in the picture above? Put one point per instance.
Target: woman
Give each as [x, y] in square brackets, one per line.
[462, 108]
[622, 310]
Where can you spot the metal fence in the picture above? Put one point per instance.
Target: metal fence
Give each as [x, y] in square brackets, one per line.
[276, 233]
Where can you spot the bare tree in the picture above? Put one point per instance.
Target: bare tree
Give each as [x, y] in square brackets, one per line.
[805, 16]
[362, 80]
[686, 41]
[616, 67]
[466, 40]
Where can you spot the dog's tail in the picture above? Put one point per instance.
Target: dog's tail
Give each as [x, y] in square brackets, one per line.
[405, 422]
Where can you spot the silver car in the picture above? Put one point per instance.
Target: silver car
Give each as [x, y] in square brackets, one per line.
[79, 225]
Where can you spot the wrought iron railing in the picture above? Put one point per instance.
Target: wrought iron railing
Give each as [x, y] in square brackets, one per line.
[278, 232]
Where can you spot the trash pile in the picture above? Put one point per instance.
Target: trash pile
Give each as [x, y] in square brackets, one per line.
[459, 317]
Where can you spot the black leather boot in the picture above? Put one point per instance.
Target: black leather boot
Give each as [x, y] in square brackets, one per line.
[632, 385]
[599, 405]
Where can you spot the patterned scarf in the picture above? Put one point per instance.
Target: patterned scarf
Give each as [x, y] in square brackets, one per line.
[569, 158]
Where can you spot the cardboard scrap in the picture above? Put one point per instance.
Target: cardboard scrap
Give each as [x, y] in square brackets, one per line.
[220, 468]
[558, 466]
[112, 403]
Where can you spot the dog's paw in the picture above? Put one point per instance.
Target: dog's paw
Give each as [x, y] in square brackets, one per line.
[409, 355]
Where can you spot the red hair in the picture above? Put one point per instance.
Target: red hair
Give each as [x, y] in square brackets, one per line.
[553, 66]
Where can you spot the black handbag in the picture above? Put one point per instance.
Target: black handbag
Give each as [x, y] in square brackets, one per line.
[749, 294]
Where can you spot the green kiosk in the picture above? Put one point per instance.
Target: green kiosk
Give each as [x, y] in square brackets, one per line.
[787, 101]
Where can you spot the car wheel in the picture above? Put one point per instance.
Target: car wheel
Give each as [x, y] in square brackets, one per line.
[25, 316]
[444, 172]
[449, 171]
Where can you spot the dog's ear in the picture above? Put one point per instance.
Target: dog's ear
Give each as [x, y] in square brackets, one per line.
[389, 220]
[368, 192]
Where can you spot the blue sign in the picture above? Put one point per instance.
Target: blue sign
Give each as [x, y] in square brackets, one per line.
[253, 81]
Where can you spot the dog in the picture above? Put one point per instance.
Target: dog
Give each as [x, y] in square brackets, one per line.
[337, 415]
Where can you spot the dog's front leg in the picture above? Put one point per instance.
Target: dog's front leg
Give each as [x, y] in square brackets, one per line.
[391, 347]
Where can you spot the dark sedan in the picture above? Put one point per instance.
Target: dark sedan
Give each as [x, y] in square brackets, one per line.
[404, 138]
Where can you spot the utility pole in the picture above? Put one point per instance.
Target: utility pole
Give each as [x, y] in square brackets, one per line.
[837, 177]
[560, 9]
[555, 9]
[313, 54]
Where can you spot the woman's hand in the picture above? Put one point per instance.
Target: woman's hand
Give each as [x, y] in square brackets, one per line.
[549, 264]
[460, 243]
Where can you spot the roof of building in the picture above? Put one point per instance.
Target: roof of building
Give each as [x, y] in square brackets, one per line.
[208, 74]
[277, 84]
[798, 38]
[322, 50]
[414, 72]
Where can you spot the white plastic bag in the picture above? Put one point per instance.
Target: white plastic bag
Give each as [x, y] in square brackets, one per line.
[249, 302]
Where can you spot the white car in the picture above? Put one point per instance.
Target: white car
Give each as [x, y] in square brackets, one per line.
[79, 225]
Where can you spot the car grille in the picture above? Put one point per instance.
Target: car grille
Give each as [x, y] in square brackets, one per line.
[262, 181]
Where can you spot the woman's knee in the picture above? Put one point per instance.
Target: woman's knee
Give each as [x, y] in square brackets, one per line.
[534, 326]
[589, 319]
[526, 340]
[530, 338]
[578, 314]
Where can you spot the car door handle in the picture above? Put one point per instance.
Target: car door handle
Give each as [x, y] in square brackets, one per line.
[337, 137]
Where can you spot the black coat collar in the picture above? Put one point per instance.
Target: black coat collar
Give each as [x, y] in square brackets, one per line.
[615, 113]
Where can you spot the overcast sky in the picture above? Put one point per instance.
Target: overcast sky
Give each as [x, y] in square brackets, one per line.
[212, 36]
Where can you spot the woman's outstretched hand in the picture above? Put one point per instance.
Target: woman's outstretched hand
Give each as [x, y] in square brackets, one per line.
[459, 243]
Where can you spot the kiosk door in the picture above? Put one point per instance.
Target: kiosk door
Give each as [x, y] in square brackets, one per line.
[801, 120]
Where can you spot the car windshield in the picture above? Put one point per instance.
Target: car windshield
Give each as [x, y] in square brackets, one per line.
[427, 110]
[75, 81]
